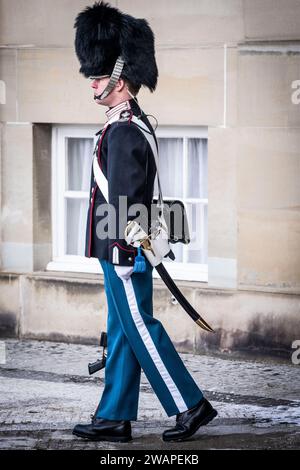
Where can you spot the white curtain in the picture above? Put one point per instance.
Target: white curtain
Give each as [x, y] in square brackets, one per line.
[197, 188]
[79, 164]
[197, 248]
[170, 167]
[197, 168]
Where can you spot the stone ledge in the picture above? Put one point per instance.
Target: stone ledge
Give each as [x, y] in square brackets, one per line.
[88, 277]
[158, 283]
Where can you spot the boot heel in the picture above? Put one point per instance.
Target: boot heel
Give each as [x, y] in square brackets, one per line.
[209, 418]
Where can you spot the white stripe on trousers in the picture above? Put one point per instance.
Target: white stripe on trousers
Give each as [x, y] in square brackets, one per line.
[150, 346]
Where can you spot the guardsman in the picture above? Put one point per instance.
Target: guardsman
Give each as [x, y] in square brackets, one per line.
[117, 52]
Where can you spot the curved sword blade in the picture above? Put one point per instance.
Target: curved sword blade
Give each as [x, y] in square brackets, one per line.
[181, 299]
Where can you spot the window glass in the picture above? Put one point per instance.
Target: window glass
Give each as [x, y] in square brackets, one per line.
[197, 168]
[76, 226]
[170, 167]
[79, 160]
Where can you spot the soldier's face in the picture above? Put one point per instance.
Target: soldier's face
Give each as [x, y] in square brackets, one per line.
[99, 85]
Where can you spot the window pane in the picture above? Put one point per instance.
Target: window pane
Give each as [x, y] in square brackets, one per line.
[170, 167]
[177, 249]
[79, 161]
[197, 218]
[76, 225]
[197, 168]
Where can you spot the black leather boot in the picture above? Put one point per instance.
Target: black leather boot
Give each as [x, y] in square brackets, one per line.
[102, 429]
[188, 422]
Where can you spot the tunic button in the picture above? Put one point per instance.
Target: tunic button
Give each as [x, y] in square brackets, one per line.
[93, 189]
[129, 259]
[91, 199]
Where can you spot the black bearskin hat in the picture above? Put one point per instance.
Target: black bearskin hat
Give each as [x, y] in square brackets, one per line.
[103, 33]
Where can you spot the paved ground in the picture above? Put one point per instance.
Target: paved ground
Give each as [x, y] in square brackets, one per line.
[45, 390]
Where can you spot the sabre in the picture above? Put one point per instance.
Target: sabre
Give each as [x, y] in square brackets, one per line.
[181, 299]
[155, 249]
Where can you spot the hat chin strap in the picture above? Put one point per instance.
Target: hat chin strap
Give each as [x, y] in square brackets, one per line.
[116, 73]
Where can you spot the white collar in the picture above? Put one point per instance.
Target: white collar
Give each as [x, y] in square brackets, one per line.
[113, 114]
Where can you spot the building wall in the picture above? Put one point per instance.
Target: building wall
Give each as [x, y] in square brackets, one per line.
[228, 65]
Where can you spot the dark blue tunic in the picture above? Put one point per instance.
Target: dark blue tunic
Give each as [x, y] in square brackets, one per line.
[127, 162]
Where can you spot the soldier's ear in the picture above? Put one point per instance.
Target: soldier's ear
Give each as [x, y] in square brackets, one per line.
[121, 85]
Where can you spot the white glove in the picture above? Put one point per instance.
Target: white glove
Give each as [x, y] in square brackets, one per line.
[124, 272]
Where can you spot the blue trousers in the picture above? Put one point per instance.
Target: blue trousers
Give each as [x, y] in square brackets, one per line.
[136, 340]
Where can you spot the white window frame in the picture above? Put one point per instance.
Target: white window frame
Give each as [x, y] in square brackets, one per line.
[61, 261]
[75, 263]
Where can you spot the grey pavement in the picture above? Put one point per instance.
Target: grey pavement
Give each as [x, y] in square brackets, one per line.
[45, 390]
